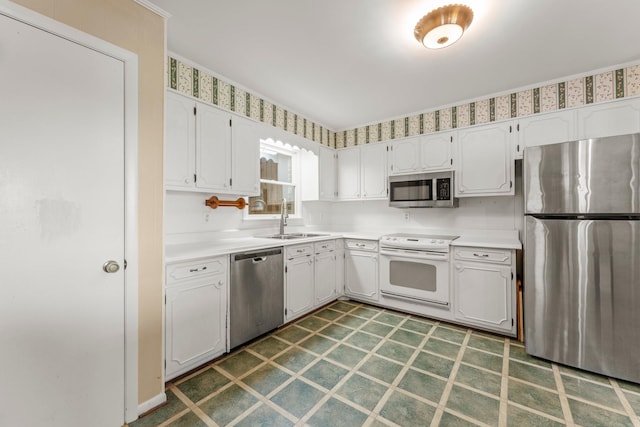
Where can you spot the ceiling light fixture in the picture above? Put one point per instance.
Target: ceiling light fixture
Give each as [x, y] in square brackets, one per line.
[444, 26]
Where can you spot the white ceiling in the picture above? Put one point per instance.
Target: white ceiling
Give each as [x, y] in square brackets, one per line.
[347, 63]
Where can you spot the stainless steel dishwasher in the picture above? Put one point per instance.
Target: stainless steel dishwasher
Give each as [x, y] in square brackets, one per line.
[257, 294]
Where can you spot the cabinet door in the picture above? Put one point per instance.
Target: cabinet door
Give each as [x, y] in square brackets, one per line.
[483, 295]
[179, 146]
[435, 152]
[349, 173]
[299, 279]
[545, 129]
[245, 157]
[339, 267]
[484, 163]
[361, 275]
[373, 171]
[327, 174]
[405, 156]
[213, 148]
[195, 317]
[325, 277]
[609, 119]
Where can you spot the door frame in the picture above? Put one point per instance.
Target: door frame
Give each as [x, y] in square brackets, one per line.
[130, 61]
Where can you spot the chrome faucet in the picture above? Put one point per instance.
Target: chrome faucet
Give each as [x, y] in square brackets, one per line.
[283, 215]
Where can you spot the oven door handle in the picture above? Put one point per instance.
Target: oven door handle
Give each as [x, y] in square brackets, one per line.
[406, 253]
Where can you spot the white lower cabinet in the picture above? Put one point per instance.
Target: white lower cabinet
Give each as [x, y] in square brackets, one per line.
[195, 314]
[299, 281]
[484, 290]
[310, 277]
[361, 269]
[325, 278]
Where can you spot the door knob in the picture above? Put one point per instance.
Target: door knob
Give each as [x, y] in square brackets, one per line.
[111, 266]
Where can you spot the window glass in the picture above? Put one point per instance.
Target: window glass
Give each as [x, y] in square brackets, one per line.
[276, 182]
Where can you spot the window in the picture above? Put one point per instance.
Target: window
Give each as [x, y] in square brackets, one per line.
[277, 181]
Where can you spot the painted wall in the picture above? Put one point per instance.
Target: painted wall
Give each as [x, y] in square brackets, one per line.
[132, 27]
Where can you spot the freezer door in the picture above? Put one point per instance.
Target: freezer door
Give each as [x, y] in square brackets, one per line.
[582, 294]
[594, 176]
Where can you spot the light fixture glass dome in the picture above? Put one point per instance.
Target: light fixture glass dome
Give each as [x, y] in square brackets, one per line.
[442, 36]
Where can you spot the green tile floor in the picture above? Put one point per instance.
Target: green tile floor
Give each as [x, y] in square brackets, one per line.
[351, 364]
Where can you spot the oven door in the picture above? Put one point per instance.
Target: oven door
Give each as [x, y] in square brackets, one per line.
[416, 275]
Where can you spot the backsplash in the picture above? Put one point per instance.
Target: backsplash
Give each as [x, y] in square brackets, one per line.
[589, 89]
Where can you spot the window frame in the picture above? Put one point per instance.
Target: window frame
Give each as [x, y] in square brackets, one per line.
[294, 152]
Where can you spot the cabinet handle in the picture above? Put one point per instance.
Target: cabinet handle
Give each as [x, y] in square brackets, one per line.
[195, 270]
[481, 255]
[300, 251]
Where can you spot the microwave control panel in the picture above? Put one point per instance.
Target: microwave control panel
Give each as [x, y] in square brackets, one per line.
[443, 189]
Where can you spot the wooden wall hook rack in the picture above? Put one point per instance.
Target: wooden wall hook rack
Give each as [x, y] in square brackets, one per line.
[213, 202]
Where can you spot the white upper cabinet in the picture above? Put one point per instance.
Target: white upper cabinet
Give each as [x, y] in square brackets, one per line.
[425, 153]
[362, 172]
[180, 136]
[436, 152]
[349, 173]
[245, 156]
[327, 174]
[609, 119]
[484, 165]
[208, 149]
[545, 129]
[404, 156]
[213, 159]
[373, 171]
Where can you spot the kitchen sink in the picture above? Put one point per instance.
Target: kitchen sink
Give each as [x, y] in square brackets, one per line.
[289, 236]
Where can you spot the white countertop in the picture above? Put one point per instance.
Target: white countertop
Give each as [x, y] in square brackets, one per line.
[488, 241]
[189, 251]
[223, 246]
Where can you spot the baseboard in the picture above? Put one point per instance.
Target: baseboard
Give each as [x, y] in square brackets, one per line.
[152, 403]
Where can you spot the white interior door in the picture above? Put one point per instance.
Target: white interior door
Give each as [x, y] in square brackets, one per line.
[61, 218]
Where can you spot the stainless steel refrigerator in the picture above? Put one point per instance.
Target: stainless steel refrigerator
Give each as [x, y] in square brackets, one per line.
[582, 254]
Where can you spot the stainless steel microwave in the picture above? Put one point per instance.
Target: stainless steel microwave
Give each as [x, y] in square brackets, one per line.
[422, 190]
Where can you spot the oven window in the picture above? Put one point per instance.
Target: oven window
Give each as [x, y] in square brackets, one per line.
[407, 191]
[413, 275]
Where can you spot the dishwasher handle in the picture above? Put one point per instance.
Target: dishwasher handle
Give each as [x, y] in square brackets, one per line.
[259, 259]
[255, 255]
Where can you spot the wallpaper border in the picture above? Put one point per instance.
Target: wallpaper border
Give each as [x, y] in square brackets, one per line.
[578, 91]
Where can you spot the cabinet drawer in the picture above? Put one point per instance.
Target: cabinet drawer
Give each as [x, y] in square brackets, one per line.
[496, 256]
[299, 250]
[195, 269]
[363, 245]
[326, 246]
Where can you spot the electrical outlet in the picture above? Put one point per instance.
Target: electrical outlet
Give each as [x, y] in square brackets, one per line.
[206, 217]
[407, 216]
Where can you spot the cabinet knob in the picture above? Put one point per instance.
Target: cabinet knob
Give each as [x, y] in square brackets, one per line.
[187, 180]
